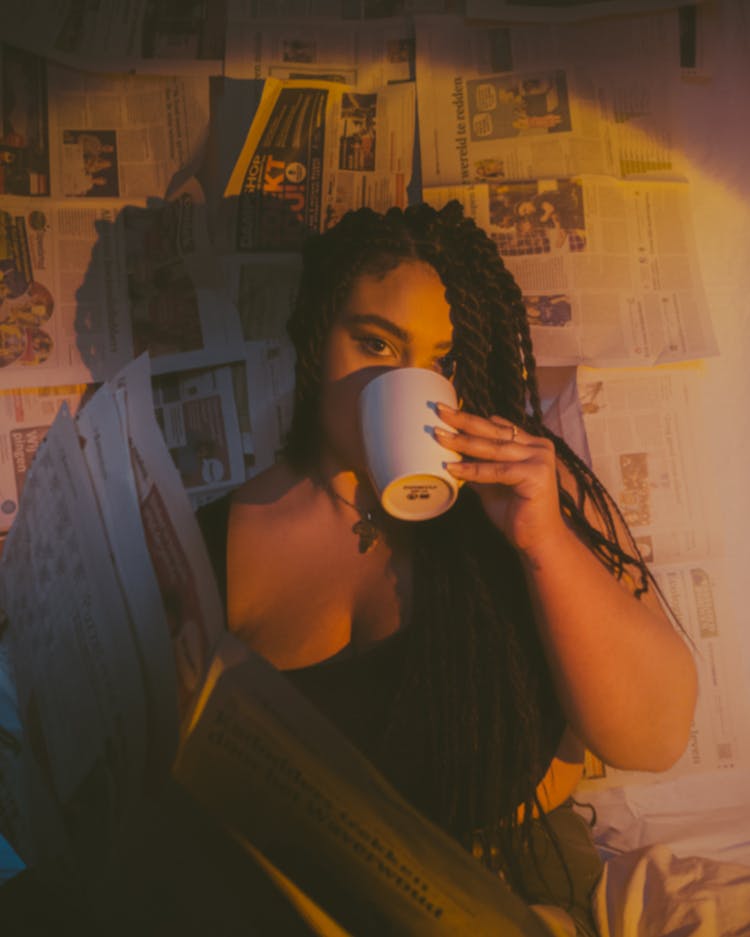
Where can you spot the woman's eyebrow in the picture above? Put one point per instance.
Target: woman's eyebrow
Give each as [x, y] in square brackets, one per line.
[387, 326]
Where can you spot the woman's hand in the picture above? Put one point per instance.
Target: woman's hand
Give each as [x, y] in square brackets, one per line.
[513, 472]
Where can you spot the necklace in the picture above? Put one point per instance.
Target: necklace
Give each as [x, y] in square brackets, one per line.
[365, 528]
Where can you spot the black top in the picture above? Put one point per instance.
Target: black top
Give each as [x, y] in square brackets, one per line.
[356, 692]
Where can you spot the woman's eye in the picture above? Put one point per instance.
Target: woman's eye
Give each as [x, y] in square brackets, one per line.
[373, 345]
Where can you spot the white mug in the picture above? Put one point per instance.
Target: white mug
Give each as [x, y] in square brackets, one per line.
[406, 463]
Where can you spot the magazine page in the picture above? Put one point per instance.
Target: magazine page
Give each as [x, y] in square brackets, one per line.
[608, 268]
[497, 104]
[314, 151]
[77, 674]
[261, 760]
[150, 37]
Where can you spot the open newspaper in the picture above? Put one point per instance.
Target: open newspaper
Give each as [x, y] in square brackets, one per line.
[115, 628]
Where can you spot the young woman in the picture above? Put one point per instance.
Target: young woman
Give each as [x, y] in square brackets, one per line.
[471, 657]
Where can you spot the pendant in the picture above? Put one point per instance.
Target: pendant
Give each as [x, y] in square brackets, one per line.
[367, 532]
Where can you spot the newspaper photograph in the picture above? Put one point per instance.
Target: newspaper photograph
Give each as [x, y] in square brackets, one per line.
[197, 415]
[78, 677]
[123, 136]
[25, 416]
[314, 151]
[64, 316]
[488, 115]
[608, 268]
[364, 55]
[150, 35]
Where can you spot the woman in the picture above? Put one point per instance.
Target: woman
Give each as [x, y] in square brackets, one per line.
[471, 657]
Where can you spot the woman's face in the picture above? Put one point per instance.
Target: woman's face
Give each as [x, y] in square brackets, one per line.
[399, 320]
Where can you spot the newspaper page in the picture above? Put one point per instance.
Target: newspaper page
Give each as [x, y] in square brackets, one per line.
[269, 382]
[180, 313]
[197, 414]
[330, 10]
[15, 822]
[183, 569]
[105, 449]
[78, 677]
[314, 151]
[259, 758]
[640, 428]
[364, 55]
[123, 136]
[263, 289]
[608, 268]
[501, 104]
[25, 417]
[139, 36]
[512, 11]
[64, 316]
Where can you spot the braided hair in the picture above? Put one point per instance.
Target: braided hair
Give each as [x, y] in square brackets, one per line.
[475, 660]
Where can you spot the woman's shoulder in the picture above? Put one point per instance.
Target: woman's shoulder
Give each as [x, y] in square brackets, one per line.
[272, 493]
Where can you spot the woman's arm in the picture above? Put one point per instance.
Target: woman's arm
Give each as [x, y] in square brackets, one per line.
[625, 677]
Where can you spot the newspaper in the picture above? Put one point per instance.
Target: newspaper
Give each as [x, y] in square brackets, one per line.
[183, 569]
[364, 55]
[69, 133]
[64, 316]
[314, 151]
[123, 136]
[140, 36]
[269, 382]
[77, 673]
[180, 312]
[276, 773]
[569, 10]
[640, 431]
[101, 429]
[608, 268]
[497, 104]
[263, 289]
[197, 414]
[331, 10]
[25, 417]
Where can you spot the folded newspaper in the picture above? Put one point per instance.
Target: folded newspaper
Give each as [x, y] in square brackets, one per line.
[116, 636]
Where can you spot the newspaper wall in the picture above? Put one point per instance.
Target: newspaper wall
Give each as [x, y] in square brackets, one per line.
[535, 11]
[639, 428]
[498, 103]
[141, 36]
[609, 269]
[314, 151]
[366, 56]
